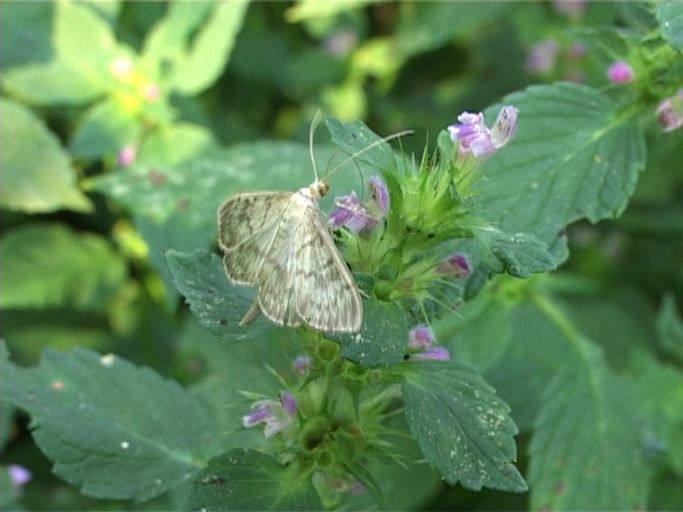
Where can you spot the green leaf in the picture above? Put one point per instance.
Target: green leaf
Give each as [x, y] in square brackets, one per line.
[574, 156]
[74, 76]
[383, 338]
[112, 429]
[104, 130]
[355, 137]
[35, 173]
[462, 427]
[175, 144]
[47, 265]
[20, 46]
[518, 254]
[9, 491]
[586, 448]
[670, 17]
[218, 303]
[195, 189]
[250, 480]
[203, 63]
[670, 328]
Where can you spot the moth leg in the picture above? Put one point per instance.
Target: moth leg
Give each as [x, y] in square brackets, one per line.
[252, 314]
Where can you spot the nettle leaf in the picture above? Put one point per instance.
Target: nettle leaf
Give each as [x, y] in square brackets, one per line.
[111, 428]
[383, 338]
[518, 254]
[462, 427]
[670, 328]
[203, 63]
[175, 144]
[670, 17]
[250, 480]
[74, 76]
[574, 156]
[586, 449]
[104, 130]
[35, 172]
[19, 46]
[356, 136]
[48, 265]
[219, 304]
[195, 189]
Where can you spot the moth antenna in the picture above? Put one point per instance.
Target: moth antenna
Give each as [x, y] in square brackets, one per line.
[368, 148]
[311, 132]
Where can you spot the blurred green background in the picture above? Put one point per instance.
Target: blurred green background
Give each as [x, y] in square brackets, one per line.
[96, 95]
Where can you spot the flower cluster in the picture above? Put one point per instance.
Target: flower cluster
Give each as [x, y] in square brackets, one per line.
[421, 345]
[357, 217]
[475, 137]
[278, 415]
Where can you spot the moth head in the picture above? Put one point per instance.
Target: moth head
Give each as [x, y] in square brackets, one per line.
[319, 189]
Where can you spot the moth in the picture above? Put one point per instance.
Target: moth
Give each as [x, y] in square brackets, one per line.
[278, 242]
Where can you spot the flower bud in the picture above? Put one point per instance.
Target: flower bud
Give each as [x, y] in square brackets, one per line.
[542, 56]
[302, 364]
[421, 337]
[457, 265]
[670, 112]
[620, 73]
[127, 155]
[380, 194]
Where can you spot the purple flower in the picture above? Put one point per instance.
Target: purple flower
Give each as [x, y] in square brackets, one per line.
[421, 337]
[351, 214]
[380, 194]
[278, 415]
[670, 112]
[620, 73]
[542, 56]
[127, 155]
[19, 475]
[302, 364]
[432, 354]
[473, 135]
[457, 265]
[574, 8]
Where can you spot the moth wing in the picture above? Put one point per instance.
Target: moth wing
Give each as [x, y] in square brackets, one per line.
[245, 216]
[247, 223]
[327, 297]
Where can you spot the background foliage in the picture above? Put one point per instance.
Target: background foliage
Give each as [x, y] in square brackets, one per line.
[124, 126]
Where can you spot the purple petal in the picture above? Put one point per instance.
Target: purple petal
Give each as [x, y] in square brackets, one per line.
[421, 337]
[505, 126]
[261, 413]
[457, 264]
[542, 56]
[670, 112]
[432, 354]
[380, 193]
[288, 402]
[19, 475]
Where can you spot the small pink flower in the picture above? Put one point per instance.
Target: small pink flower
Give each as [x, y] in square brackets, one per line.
[421, 337]
[620, 73]
[474, 137]
[432, 354]
[670, 112]
[127, 155]
[121, 68]
[351, 214]
[457, 265]
[151, 92]
[278, 415]
[542, 56]
[19, 475]
[302, 364]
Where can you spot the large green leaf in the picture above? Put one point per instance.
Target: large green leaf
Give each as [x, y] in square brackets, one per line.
[195, 189]
[114, 430]
[74, 75]
[48, 265]
[574, 156]
[218, 303]
[203, 63]
[518, 254]
[383, 338]
[20, 46]
[104, 130]
[250, 480]
[462, 427]
[586, 448]
[670, 17]
[35, 172]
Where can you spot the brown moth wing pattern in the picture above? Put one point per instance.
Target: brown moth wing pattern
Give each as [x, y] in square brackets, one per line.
[246, 223]
[327, 297]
